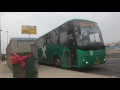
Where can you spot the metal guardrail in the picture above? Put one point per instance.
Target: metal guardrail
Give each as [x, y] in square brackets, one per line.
[113, 55]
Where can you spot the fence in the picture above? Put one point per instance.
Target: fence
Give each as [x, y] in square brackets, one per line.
[113, 55]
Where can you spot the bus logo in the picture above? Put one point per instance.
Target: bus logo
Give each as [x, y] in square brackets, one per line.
[43, 49]
[91, 53]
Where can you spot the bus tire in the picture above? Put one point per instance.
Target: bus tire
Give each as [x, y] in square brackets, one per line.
[57, 62]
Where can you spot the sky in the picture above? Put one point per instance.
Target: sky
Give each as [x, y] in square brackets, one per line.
[109, 23]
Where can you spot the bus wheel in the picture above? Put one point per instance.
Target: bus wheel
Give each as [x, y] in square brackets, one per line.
[57, 62]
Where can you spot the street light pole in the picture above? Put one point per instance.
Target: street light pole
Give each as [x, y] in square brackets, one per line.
[7, 37]
[0, 40]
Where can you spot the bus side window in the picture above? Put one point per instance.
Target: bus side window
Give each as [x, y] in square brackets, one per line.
[63, 38]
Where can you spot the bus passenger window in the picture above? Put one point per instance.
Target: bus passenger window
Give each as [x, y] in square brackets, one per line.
[63, 37]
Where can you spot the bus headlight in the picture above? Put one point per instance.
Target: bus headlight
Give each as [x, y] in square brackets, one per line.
[86, 62]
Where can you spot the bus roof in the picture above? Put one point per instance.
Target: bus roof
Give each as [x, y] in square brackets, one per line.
[71, 20]
[80, 20]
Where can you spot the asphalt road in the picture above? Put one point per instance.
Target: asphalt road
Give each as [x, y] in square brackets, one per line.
[52, 72]
[110, 68]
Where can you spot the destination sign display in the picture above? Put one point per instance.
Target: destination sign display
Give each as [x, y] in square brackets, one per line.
[82, 24]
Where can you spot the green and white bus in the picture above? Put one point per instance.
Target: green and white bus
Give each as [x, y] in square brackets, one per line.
[76, 43]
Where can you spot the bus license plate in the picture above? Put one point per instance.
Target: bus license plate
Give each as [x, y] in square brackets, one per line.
[98, 62]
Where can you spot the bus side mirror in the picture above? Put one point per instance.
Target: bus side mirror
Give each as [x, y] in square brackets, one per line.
[79, 31]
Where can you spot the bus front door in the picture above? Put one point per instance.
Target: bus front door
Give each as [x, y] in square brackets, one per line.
[73, 58]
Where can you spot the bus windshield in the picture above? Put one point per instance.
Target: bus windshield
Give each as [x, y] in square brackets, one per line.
[87, 33]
